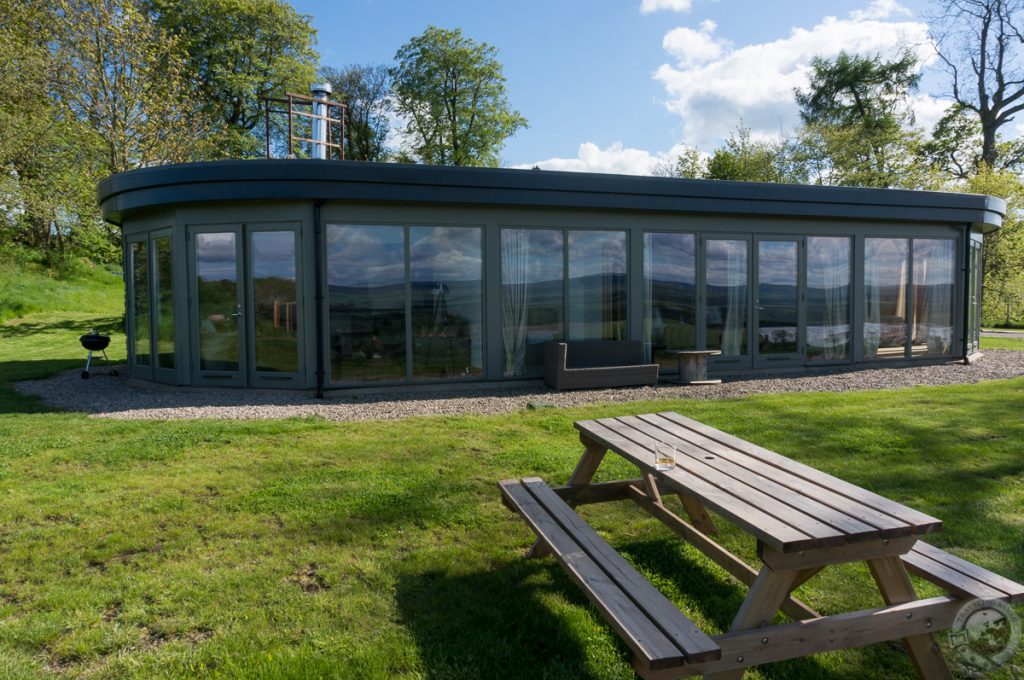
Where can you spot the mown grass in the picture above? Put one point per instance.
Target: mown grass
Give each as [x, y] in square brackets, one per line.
[1003, 343]
[28, 289]
[304, 548]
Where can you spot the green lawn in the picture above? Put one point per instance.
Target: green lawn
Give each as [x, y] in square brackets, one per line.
[302, 548]
[1003, 343]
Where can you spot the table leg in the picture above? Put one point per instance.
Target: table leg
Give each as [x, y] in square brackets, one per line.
[896, 588]
[592, 456]
[766, 595]
[698, 514]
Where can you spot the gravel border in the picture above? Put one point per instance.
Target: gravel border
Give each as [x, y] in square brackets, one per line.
[105, 396]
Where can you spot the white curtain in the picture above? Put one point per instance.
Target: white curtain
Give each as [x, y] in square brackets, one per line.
[515, 259]
[836, 277]
[872, 300]
[937, 307]
[736, 292]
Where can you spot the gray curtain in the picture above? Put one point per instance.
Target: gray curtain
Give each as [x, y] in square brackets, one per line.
[515, 258]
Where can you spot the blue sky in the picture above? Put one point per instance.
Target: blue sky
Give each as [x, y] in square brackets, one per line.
[614, 86]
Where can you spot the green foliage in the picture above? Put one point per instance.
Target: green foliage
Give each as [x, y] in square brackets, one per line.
[27, 287]
[365, 91]
[239, 52]
[956, 146]
[746, 159]
[451, 91]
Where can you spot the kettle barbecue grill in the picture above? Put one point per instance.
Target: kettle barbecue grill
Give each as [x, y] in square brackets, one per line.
[95, 342]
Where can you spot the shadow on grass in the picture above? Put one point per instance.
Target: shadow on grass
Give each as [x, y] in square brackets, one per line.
[101, 324]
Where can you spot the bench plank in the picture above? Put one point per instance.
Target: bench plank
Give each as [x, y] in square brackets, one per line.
[960, 576]
[885, 525]
[582, 553]
[919, 521]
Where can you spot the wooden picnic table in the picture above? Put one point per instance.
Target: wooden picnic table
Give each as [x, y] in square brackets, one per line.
[803, 520]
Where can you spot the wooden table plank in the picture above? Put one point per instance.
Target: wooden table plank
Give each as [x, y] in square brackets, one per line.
[850, 527]
[886, 525]
[919, 521]
[752, 519]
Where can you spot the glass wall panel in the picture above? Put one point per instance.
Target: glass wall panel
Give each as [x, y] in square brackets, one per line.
[446, 265]
[778, 270]
[828, 298]
[532, 271]
[164, 311]
[140, 302]
[217, 292]
[274, 296]
[597, 285]
[886, 274]
[931, 313]
[366, 283]
[670, 279]
[726, 293]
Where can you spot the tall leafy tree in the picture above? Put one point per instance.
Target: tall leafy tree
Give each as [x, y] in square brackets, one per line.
[747, 159]
[981, 45]
[240, 52]
[451, 91]
[858, 125]
[366, 92]
[957, 144]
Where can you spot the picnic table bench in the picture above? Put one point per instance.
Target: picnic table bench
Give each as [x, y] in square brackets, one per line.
[804, 521]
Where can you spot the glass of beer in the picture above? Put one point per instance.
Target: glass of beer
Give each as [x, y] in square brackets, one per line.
[664, 456]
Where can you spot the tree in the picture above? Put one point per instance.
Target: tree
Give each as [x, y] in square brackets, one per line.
[746, 159]
[980, 44]
[858, 128]
[365, 91]
[240, 52]
[451, 92]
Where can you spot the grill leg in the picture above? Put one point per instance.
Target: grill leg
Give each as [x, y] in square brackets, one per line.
[88, 361]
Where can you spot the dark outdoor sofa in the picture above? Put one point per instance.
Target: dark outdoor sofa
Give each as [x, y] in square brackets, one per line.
[583, 364]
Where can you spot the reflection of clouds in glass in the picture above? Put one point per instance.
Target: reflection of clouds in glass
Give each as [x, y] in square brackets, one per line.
[888, 254]
[215, 256]
[596, 252]
[727, 263]
[776, 263]
[365, 256]
[828, 259]
[445, 253]
[670, 257]
[544, 252]
[934, 262]
[273, 254]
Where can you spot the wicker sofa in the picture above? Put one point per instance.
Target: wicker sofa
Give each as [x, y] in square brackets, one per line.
[583, 364]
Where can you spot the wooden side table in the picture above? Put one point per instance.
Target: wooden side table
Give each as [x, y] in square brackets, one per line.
[693, 365]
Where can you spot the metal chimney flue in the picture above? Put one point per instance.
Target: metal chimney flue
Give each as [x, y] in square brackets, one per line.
[320, 92]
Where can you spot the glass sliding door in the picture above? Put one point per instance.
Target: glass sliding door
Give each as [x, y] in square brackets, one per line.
[726, 299]
[367, 291]
[274, 325]
[532, 297]
[973, 302]
[446, 284]
[829, 277]
[163, 301]
[777, 300]
[670, 295]
[141, 320]
[886, 275]
[931, 315]
[597, 285]
[219, 305]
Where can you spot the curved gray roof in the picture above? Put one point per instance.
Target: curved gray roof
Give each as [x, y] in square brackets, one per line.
[123, 194]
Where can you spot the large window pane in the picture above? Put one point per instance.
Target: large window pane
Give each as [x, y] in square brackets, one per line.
[532, 271]
[777, 304]
[828, 298]
[726, 283]
[886, 274]
[217, 290]
[932, 300]
[164, 311]
[597, 285]
[366, 282]
[670, 295]
[445, 264]
[274, 295]
[140, 302]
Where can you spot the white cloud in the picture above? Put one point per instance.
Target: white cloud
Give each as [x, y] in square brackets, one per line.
[616, 159]
[755, 82]
[691, 47]
[880, 9]
[648, 6]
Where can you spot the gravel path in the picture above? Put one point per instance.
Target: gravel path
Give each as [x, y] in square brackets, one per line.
[109, 397]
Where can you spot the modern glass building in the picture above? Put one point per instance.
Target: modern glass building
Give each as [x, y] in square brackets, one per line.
[328, 275]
